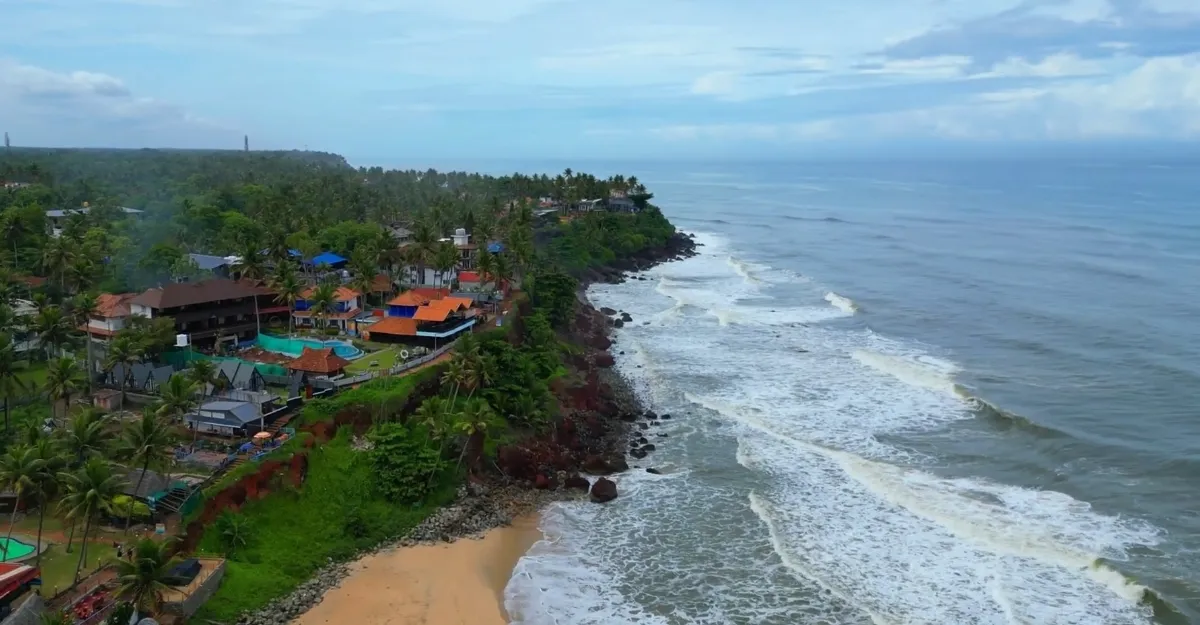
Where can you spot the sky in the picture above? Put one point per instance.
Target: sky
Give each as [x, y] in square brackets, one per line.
[382, 79]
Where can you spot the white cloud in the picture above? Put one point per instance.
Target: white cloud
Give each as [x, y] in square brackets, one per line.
[1060, 65]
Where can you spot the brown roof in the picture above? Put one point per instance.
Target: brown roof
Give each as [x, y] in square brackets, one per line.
[399, 326]
[321, 360]
[187, 293]
[111, 306]
[381, 284]
[431, 313]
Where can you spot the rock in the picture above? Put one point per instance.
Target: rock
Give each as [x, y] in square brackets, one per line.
[644, 426]
[651, 416]
[628, 417]
[665, 416]
[661, 435]
[541, 482]
[604, 490]
[649, 447]
[641, 440]
[638, 453]
[653, 471]
[604, 360]
[605, 466]
[625, 317]
[617, 323]
[608, 311]
[577, 482]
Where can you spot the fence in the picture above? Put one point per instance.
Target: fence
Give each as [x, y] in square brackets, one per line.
[397, 369]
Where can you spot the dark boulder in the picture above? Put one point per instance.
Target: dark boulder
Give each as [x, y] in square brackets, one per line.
[653, 471]
[599, 465]
[661, 435]
[604, 360]
[604, 490]
[666, 416]
[644, 426]
[541, 482]
[649, 447]
[577, 482]
[617, 323]
[638, 453]
[625, 317]
[628, 417]
[608, 311]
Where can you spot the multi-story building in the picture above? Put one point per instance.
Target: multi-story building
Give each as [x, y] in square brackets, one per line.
[211, 310]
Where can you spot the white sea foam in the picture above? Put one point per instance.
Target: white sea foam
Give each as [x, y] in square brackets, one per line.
[843, 304]
[842, 527]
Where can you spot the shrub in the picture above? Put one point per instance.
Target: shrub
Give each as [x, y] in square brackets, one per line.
[235, 532]
[121, 505]
[403, 464]
[333, 331]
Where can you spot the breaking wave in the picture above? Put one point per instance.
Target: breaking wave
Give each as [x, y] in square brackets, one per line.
[843, 304]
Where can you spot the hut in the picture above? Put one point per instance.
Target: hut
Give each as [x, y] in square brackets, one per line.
[321, 361]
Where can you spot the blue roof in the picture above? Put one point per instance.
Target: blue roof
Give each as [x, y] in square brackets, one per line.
[495, 247]
[327, 258]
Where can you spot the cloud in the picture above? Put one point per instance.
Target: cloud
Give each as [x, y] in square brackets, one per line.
[47, 106]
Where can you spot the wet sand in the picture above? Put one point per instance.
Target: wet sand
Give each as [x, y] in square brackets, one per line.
[456, 583]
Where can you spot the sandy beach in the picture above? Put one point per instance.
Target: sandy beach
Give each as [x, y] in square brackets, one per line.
[460, 582]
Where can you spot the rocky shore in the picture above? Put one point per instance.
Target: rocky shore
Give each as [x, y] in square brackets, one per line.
[604, 422]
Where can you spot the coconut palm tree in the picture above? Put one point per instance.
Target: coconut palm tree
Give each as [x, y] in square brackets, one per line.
[142, 576]
[177, 396]
[322, 301]
[445, 258]
[10, 383]
[203, 373]
[83, 307]
[423, 246]
[19, 470]
[53, 328]
[473, 422]
[250, 263]
[123, 351]
[89, 491]
[149, 440]
[287, 289]
[53, 462]
[63, 379]
[56, 257]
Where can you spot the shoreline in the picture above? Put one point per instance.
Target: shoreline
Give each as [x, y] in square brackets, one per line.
[462, 581]
[594, 439]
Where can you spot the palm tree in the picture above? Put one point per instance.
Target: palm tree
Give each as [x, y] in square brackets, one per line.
[53, 328]
[56, 257]
[47, 480]
[204, 374]
[10, 382]
[322, 301]
[19, 470]
[177, 396]
[123, 351]
[473, 422]
[90, 490]
[142, 576]
[250, 262]
[456, 374]
[149, 440]
[444, 259]
[63, 378]
[83, 307]
[287, 289]
[424, 242]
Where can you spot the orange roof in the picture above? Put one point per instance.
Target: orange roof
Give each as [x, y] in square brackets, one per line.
[431, 293]
[111, 306]
[400, 326]
[431, 313]
[408, 298]
[342, 294]
[321, 360]
[468, 276]
[452, 303]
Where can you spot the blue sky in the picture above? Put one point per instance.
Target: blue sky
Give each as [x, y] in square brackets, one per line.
[379, 79]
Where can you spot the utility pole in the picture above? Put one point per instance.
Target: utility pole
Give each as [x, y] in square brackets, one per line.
[246, 143]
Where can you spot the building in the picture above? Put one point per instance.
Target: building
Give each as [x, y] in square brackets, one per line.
[58, 217]
[406, 303]
[346, 307]
[218, 266]
[239, 375]
[320, 361]
[226, 418]
[327, 259]
[402, 235]
[468, 252]
[153, 485]
[111, 316]
[621, 204]
[587, 206]
[212, 310]
[140, 377]
[431, 324]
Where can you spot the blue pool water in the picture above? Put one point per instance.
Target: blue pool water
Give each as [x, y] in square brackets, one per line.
[295, 346]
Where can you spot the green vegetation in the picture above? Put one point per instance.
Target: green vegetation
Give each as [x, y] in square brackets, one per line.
[598, 238]
[384, 360]
[58, 566]
[337, 513]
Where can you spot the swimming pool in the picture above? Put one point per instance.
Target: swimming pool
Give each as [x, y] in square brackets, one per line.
[295, 346]
[16, 549]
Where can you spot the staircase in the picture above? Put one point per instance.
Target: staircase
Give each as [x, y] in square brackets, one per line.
[175, 498]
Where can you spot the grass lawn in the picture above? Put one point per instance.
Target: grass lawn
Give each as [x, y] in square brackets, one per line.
[58, 566]
[33, 376]
[28, 525]
[386, 359]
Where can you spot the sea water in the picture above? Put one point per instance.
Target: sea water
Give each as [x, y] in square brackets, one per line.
[903, 393]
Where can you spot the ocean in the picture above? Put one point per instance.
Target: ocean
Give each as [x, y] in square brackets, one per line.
[961, 392]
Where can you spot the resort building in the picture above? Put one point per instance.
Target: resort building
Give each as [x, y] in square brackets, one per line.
[225, 418]
[468, 252]
[57, 218]
[217, 266]
[112, 313]
[407, 303]
[140, 377]
[211, 310]
[320, 361]
[346, 307]
[429, 323]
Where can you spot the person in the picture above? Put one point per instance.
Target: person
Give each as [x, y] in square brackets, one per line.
[120, 549]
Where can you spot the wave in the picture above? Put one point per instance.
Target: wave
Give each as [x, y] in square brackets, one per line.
[829, 220]
[928, 373]
[843, 304]
[743, 269]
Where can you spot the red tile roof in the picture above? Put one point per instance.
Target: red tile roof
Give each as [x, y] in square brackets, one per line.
[452, 303]
[399, 326]
[112, 306]
[408, 298]
[321, 360]
[468, 276]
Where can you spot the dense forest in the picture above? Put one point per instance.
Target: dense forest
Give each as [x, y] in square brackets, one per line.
[229, 202]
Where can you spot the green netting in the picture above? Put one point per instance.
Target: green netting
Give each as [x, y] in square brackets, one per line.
[180, 359]
[280, 345]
